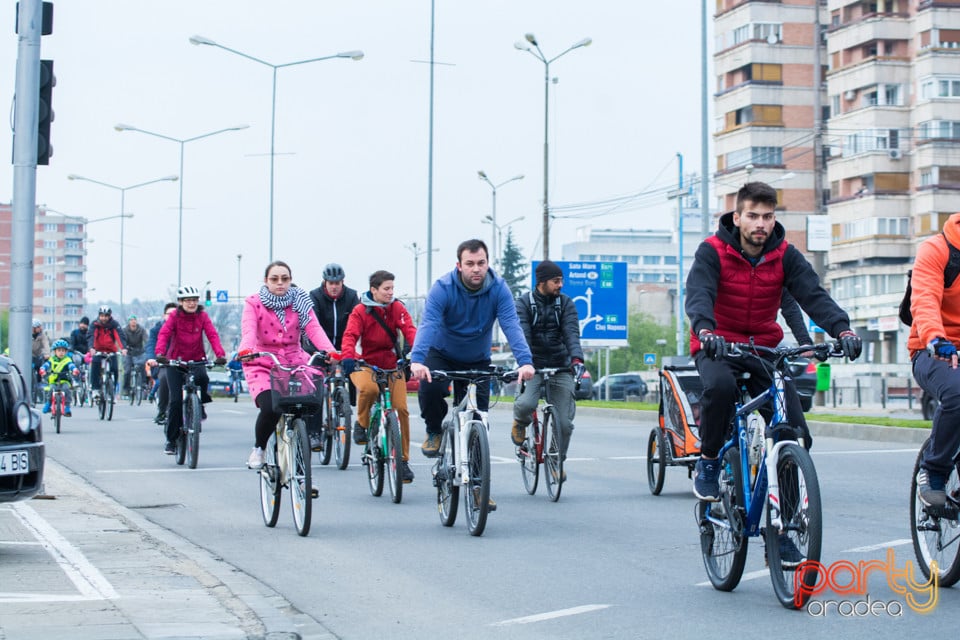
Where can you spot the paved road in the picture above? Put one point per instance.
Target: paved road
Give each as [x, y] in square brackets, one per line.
[135, 547]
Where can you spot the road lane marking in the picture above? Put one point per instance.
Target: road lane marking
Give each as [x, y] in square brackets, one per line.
[88, 580]
[863, 451]
[750, 575]
[550, 615]
[882, 545]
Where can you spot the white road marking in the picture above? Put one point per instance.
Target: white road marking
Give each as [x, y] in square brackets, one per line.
[750, 575]
[550, 615]
[867, 451]
[88, 580]
[177, 469]
[882, 545]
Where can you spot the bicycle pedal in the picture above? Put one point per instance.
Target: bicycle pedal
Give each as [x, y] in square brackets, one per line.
[314, 493]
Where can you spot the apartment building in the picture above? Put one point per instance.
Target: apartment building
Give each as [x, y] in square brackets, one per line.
[888, 93]
[59, 273]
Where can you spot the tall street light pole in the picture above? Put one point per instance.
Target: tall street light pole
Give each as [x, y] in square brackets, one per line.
[539, 55]
[498, 229]
[495, 256]
[182, 142]
[123, 215]
[353, 55]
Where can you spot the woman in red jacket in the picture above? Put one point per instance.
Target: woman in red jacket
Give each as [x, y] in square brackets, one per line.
[377, 346]
[181, 338]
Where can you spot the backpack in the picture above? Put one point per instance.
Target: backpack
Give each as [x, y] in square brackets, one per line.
[535, 310]
[950, 273]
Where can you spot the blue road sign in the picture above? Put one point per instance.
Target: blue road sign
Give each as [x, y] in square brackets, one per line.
[649, 358]
[599, 290]
[222, 295]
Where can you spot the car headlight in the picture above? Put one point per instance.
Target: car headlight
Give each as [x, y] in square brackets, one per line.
[25, 418]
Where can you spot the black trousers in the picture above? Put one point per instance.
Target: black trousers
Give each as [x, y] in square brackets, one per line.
[432, 395]
[175, 396]
[937, 378]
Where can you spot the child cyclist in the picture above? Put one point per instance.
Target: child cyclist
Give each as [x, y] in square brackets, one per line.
[59, 371]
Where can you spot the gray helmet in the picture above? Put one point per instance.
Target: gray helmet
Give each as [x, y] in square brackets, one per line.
[37, 323]
[333, 273]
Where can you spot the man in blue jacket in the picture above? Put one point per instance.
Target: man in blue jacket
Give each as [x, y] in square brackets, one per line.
[457, 333]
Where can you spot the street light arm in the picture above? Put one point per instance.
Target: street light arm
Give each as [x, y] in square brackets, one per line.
[200, 40]
[354, 55]
[583, 43]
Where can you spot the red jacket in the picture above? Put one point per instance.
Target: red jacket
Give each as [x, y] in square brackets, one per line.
[181, 336]
[376, 345]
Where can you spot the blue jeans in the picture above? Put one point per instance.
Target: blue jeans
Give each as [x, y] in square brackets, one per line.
[937, 378]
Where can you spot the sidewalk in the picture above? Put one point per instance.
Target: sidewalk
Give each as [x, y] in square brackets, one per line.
[80, 565]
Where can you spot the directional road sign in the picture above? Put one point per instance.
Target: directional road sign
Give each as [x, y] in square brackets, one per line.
[599, 290]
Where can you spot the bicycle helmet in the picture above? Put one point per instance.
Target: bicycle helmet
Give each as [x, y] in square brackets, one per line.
[333, 273]
[186, 291]
[61, 344]
[105, 311]
[37, 323]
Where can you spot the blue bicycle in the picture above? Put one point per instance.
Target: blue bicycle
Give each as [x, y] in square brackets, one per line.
[766, 470]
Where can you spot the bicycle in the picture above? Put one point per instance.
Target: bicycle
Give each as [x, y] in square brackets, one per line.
[58, 402]
[766, 471]
[543, 444]
[383, 453]
[81, 390]
[337, 418]
[296, 392]
[235, 384]
[464, 456]
[936, 530]
[137, 382]
[107, 397]
[188, 440]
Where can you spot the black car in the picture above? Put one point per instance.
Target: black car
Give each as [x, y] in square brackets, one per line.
[21, 442]
[804, 373]
[621, 386]
[220, 384]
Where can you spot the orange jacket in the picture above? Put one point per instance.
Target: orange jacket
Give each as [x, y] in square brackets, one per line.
[936, 311]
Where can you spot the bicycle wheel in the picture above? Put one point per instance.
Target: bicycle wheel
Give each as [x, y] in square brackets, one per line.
[552, 456]
[56, 407]
[326, 431]
[529, 457]
[394, 461]
[936, 531]
[138, 390]
[800, 509]
[478, 464]
[341, 427]
[723, 542]
[301, 482]
[656, 461]
[110, 395]
[444, 478]
[102, 404]
[270, 485]
[373, 459]
[192, 426]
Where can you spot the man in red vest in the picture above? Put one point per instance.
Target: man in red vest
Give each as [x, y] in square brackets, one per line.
[734, 291]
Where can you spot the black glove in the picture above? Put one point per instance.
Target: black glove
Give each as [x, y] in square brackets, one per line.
[941, 348]
[578, 370]
[851, 344]
[163, 359]
[220, 361]
[348, 365]
[713, 345]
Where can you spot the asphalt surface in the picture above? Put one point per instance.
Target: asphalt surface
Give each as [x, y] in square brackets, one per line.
[76, 563]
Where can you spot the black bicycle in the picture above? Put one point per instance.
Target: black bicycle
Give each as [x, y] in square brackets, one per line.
[936, 530]
[336, 418]
[188, 440]
[107, 398]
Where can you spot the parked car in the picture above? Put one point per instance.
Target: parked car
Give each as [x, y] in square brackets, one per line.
[585, 392]
[621, 386]
[22, 453]
[804, 372]
[220, 384]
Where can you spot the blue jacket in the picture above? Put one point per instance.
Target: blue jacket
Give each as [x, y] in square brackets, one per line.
[151, 349]
[458, 322]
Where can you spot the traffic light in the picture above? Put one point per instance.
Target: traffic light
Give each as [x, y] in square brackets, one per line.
[207, 302]
[45, 111]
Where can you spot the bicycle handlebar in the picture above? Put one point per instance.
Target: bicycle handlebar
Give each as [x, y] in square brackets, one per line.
[820, 351]
[476, 375]
[321, 356]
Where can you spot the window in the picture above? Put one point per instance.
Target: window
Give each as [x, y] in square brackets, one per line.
[755, 155]
[49, 244]
[868, 227]
[651, 259]
[71, 227]
[670, 260]
[943, 129]
[73, 244]
[871, 140]
[939, 87]
[835, 105]
[50, 226]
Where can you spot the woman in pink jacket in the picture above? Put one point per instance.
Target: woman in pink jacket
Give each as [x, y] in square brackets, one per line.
[273, 320]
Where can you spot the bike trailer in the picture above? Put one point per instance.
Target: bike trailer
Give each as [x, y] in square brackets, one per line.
[680, 391]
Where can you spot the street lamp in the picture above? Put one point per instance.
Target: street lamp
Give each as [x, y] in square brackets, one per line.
[493, 215]
[415, 249]
[122, 215]
[538, 54]
[498, 230]
[182, 142]
[353, 55]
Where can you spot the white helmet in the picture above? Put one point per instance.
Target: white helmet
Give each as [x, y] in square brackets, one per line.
[187, 291]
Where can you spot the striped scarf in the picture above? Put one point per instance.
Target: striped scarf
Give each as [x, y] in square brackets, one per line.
[294, 297]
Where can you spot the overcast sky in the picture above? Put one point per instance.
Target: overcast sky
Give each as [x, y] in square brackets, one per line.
[352, 137]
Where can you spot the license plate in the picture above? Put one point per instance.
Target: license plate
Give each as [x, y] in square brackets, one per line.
[14, 463]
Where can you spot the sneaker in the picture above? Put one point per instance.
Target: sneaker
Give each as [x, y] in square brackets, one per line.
[316, 442]
[706, 480]
[359, 434]
[407, 473]
[931, 488]
[563, 475]
[161, 418]
[255, 461]
[431, 446]
[518, 433]
[170, 448]
[790, 556]
[203, 412]
[46, 407]
[67, 413]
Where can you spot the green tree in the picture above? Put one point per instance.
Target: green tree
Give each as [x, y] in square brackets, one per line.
[513, 267]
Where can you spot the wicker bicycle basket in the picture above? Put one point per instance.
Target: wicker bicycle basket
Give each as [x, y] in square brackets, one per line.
[300, 389]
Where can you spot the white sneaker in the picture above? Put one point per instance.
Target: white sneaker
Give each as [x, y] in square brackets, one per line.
[255, 461]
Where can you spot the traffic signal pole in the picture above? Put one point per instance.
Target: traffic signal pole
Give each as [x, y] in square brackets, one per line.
[26, 118]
